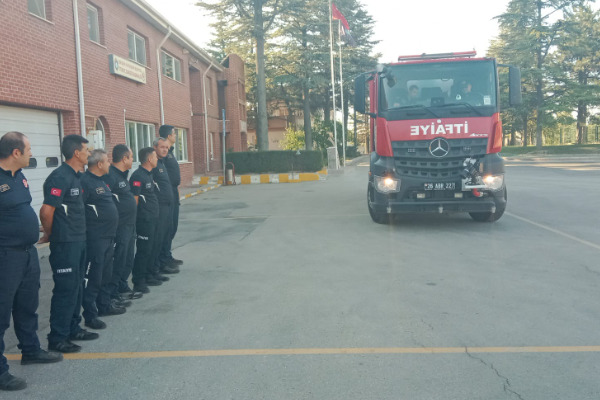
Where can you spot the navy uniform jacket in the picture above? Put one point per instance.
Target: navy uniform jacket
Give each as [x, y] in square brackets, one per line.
[62, 190]
[173, 169]
[19, 226]
[117, 182]
[101, 215]
[163, 183]
[142, 185]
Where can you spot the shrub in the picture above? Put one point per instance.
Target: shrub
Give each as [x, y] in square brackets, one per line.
[258, 162]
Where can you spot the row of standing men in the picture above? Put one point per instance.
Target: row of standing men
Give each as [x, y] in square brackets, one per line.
[102, 227]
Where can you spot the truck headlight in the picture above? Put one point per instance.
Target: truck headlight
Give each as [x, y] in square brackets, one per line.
[494, 182]
[385, 184]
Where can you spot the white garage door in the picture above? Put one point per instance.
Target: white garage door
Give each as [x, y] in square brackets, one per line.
[41, 127]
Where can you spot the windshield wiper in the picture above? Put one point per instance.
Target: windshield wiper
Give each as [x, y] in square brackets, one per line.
[416, 106]
[461, 103]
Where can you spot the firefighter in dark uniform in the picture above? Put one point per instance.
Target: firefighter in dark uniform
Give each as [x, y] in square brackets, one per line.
[170, 161]
[165, 214]
[142, 188]
[19, 264]
[116, 180]
[63, 219]
[101, 219]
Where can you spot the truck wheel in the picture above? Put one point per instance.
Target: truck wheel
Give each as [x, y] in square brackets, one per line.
[489, 216]
[380, 218]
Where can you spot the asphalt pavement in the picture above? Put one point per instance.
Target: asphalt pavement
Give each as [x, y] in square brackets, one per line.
[292, 292]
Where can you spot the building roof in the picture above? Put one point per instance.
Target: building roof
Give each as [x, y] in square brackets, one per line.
[157, 20]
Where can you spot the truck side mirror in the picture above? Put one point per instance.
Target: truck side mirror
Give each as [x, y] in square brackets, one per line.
[359, 94]
[514, 86]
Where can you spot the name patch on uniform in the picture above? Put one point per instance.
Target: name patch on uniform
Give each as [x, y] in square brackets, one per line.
[75, 192]
[55, 192]
[100, 190]
[137, 183]
[25, 183]
[64, 270]
[148, 185]
[122, 184]
[4, 188]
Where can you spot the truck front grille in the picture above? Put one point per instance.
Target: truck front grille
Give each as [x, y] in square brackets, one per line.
[412, 158]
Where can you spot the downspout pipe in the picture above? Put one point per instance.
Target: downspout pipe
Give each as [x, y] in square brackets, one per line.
[206, 115]
[79, 69]
[159, 71]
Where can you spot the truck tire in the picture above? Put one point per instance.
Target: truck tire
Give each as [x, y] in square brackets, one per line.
[489, 216]
[379, 218]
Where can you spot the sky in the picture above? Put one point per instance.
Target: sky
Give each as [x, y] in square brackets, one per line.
[404, 27]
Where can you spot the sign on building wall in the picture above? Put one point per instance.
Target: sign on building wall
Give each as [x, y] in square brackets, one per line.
[127, 69]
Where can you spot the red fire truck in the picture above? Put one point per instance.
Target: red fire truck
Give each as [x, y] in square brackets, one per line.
[436, 134]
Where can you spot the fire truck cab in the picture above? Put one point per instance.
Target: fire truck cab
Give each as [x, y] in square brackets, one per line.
[435, 135]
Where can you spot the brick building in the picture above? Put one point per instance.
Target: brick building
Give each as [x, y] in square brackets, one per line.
[121, 42]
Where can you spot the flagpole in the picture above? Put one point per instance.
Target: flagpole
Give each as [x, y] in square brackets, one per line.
[342, 95]
[333, 84]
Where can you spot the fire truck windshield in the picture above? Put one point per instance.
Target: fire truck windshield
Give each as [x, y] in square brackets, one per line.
[445, 89]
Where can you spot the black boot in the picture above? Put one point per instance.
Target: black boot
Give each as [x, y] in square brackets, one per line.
[84, 335]
[64, 347]
[43, 357]
[95, 324]
[9, 382]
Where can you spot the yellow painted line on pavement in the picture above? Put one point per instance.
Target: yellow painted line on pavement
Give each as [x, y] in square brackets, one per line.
[323, 351]
[556, 231]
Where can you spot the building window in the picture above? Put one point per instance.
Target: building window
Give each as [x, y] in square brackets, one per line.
[137, 48]
[209, 89]
[93, 24]
[37, 7]
[181, 145]
[139, 135]
[171, 67]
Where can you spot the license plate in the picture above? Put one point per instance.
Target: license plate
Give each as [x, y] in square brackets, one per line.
[440, 186]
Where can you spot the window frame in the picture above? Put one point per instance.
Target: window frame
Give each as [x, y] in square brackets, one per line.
[175, 62]
[184, 152]
[135, 49]
[94, 9]
[135, 147]
[37, 4]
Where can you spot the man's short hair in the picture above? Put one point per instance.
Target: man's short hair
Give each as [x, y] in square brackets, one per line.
[120, 151]
[165, 130]
[413, 87]
[158, 140]
[145, 153]
[70, 144]
[95, 158]
[10, 142]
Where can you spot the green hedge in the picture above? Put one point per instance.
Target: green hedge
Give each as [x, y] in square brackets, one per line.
[258, 162]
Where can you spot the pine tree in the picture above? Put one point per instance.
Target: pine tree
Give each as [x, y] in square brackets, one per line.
[579, 57]
[530, 35]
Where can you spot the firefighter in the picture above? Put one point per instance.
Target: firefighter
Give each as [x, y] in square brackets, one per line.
[101, 218]
[165, 214]
[142, 188]
[63, 219]
[116, 180]
[170, 161]
[19, 264]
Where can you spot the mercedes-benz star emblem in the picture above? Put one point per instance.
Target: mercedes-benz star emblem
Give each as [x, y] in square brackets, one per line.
[439, 147]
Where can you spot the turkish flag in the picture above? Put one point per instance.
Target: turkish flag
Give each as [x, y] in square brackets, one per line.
[337, 15]
[137, 183]
[55, 192]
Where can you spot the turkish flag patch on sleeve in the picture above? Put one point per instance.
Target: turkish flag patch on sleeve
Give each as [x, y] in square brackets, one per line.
[137, 183]
[55, 192]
